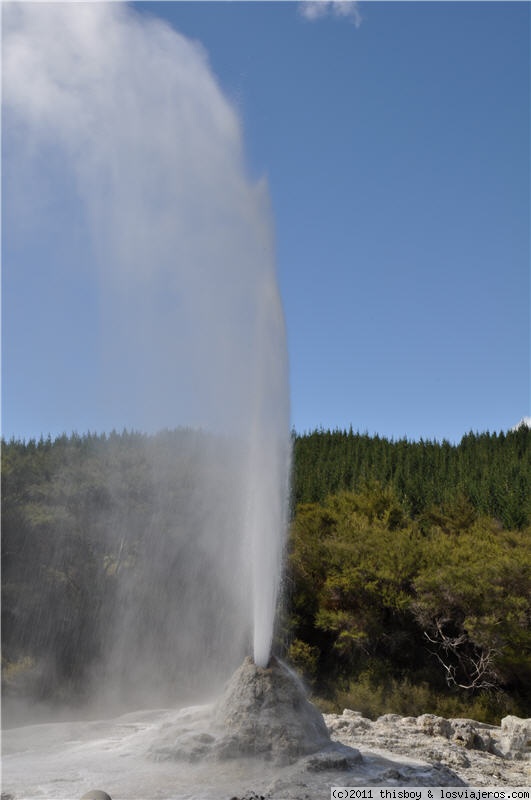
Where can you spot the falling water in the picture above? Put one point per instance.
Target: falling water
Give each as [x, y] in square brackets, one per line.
[119, 120]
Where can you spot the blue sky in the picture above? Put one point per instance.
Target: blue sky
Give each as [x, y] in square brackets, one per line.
[395, 143]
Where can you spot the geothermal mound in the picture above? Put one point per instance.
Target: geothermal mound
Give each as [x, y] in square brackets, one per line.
[264, 712]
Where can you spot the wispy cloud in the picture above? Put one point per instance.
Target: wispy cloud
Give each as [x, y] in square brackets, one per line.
[316, 9]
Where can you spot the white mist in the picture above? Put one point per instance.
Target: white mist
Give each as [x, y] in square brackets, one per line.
[191, 329]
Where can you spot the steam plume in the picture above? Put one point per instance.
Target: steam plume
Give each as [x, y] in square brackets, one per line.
[191, 323]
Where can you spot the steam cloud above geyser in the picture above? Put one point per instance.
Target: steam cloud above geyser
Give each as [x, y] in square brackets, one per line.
[143, 141]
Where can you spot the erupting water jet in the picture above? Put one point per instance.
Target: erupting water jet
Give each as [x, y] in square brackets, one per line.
[175, 219]
[152, 162]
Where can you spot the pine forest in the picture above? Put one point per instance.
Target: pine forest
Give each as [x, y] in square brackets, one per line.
[407, 583]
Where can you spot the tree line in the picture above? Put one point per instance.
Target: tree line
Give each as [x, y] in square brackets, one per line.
[492, 470]
[408, 564]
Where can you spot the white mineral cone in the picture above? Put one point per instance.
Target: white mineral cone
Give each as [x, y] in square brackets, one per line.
[264, 711]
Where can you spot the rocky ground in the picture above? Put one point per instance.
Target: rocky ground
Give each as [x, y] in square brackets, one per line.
[409, 751]
[262, 739]
[478, 754]
[264, 713]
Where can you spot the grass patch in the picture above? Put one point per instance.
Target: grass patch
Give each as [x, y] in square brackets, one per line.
[413, 699]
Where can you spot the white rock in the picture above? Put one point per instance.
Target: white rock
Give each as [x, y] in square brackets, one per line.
[431, 725]
[464, 732]
[515, 739]
[347, 712]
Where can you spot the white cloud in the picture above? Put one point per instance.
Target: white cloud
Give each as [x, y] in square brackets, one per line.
[525, 422]
[316, 9]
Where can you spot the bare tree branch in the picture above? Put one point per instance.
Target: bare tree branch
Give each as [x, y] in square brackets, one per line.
[475, 663]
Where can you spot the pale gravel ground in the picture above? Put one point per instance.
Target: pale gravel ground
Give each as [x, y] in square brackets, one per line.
[420, 738]
[62, 761]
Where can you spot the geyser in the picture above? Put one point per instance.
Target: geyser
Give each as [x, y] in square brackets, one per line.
[263, 715]
[264, 712]
[116, 120]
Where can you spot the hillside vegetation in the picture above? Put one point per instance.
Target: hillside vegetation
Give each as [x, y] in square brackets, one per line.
[410, 572]
[408, 580]
[492, 471]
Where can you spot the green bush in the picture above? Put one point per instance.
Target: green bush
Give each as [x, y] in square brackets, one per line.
[409, 698]
[411, 615]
